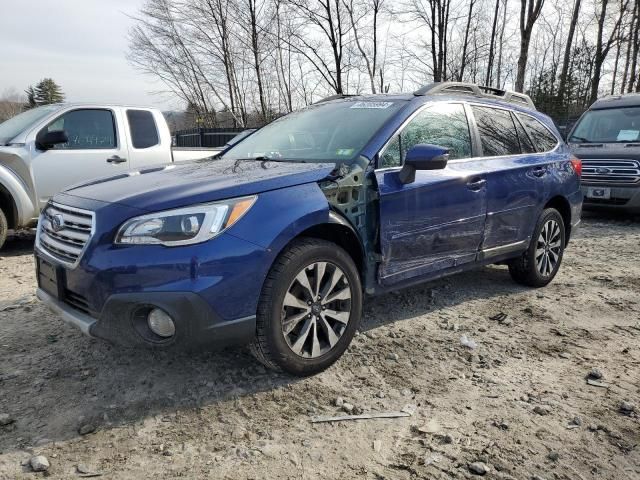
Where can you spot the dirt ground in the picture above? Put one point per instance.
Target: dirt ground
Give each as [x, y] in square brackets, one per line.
[519, 402]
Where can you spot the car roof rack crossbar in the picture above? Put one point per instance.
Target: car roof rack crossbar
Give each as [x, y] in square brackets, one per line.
[454, 88]
[334, 97]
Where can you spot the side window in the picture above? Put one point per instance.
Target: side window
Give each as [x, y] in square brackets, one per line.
[391, 156]
[540, 135]
[497, 132]
[445, 125]
[525, 141]
[86, 129]
[142, 127]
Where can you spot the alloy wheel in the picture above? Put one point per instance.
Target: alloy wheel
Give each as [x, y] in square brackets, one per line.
[548, 248]
[316, 309]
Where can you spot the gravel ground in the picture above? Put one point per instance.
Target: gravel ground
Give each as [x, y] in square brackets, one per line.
[517, 406]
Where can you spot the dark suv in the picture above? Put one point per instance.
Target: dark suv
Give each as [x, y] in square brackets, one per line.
[276, 242]
[607, 140]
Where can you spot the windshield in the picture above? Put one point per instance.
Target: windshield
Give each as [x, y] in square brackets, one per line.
[327, 132]
[615, 125]
[18, 124]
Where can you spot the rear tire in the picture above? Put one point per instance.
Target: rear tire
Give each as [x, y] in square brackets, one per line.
[309, 308]
[4, 228]
[541, 262]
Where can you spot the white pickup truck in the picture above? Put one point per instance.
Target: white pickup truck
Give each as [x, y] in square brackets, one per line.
[48, 148]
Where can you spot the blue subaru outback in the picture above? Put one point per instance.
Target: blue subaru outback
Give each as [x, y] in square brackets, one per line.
[276, 242]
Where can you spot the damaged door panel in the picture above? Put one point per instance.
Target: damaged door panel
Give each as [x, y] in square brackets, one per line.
[435, 223]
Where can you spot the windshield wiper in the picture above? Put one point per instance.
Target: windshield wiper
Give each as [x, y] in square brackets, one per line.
[579, 139]
[263, 159]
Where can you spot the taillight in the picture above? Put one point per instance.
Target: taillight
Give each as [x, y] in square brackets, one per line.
[576, 163]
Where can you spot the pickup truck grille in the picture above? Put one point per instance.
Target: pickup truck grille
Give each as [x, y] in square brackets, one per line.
[611, 172]
[63, 232]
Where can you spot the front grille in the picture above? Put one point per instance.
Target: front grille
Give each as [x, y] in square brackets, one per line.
[611, 172]
[63, 232]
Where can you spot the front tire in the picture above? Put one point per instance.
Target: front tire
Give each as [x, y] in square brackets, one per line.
[4, 228]
[309, 308]
[541, 262]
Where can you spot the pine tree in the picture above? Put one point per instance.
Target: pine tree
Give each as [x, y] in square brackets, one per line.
[44, 93]
[31, 97]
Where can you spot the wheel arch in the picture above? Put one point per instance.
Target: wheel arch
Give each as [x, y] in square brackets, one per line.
[333, 228]
[8, 206]
[562, 205]
[339, 230]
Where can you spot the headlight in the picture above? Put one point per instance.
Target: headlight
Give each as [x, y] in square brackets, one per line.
[184, 226]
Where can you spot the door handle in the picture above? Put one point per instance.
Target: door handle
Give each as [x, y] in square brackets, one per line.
[116, 159]
[476, 184]
[539, 171]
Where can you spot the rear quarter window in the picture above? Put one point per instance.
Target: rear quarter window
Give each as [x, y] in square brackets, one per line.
[541, 137]
[498, 133]
[142, 126]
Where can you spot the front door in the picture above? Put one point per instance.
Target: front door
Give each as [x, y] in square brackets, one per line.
[95, 149]
[436, 222]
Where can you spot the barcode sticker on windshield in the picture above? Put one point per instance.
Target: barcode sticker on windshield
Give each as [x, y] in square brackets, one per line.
[628, 135]
[374, 105]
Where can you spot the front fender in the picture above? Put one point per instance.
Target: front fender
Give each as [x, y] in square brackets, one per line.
[25, 208]
[279, 216]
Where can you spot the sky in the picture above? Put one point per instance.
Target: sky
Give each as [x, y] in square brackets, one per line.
[81, 44]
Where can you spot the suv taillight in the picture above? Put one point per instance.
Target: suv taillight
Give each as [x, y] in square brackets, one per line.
[576, 163]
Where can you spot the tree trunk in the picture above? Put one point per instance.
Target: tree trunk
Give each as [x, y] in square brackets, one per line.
[567, 50]
[465, 45]
[635, 40]
[492, 44]
[529, 13]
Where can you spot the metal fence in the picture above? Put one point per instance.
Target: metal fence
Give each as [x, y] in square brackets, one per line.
[205, 137]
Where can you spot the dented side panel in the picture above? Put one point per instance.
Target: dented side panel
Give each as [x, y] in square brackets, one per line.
[432, 224]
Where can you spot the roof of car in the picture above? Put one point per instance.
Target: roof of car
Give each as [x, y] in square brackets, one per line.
[617, 101]
[102, 105]
[450, 91]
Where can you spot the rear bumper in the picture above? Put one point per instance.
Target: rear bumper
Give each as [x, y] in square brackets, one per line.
[625, 199]
[123, 321]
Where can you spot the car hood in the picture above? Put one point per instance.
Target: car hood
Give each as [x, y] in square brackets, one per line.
[603, 151]
[177, 185]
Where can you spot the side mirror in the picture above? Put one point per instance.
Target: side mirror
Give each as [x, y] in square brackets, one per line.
[423, 157]
[46, 140]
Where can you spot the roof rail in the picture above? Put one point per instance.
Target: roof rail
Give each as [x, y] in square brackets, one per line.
[334, 97]
[476, 90]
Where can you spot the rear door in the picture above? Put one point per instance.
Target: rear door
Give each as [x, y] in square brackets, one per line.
[146, 144]
[95, 149]
[436, 222]
[517, 180]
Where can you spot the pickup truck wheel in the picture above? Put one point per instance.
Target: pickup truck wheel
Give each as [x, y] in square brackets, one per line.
[4, 228]
[309, 308]
[540, 263]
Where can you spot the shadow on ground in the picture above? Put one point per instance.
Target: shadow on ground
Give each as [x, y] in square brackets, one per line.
[18, 243]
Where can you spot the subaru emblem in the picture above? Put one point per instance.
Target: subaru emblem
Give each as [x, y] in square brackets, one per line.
[57, 222]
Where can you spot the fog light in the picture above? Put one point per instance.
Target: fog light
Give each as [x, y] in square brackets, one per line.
[161, 323]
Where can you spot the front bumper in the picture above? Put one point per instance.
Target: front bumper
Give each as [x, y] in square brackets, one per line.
[625, 199]
[123, 320]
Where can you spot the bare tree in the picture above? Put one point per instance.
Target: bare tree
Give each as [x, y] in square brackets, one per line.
[567, 49]
[529, 13]
[11, 104]
[634, 45]
[465, 43]
[357, 12]
[603, 46]
[329, 18]
[435, 15]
